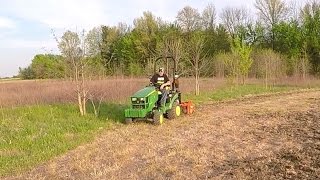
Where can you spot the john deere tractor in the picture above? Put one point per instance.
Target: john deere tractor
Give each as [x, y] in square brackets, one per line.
[145, 104]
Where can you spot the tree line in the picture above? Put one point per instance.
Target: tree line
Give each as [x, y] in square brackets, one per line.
[284, 40]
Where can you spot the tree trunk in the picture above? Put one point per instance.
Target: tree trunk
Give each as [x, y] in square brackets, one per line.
[305, 64]
[197, 83]
[304, 68]
[84, 100]
[79, 89]
[266, 74]
[197, 86]
[84, 93]
[243, 79]
[80, 104]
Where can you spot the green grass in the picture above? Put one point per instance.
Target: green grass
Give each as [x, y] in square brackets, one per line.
[35, 134]
[233, 92]
[31, 135]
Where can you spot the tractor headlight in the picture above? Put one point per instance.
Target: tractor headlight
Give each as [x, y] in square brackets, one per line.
[134, 99]
[142, 99]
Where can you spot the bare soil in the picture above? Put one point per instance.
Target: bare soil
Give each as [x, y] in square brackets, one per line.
[269, 137]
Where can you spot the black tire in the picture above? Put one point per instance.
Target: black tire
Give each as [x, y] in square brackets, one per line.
[158, 118]
[174, 112]
[128, 121]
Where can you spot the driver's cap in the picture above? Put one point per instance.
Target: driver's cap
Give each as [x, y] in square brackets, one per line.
[161, 69]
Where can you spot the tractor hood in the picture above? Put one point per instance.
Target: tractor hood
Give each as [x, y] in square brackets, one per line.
[145, 92]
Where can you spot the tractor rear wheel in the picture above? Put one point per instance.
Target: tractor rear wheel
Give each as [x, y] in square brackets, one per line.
[175, 111]
[158, 118]
[128, 121]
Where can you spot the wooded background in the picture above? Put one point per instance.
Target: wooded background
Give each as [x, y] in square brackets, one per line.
[283, 40]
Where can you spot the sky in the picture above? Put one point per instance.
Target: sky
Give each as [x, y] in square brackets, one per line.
[26, 26]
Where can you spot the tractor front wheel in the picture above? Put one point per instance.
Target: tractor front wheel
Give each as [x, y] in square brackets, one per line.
[175, 111]
[158, 118]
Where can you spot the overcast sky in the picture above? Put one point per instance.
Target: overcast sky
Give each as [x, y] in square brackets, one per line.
[26, 25]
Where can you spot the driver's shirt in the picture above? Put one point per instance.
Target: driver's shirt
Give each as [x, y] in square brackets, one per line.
[159, 80]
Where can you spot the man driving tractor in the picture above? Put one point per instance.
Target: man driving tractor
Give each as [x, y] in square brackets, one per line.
[161, 81]
[160, 100]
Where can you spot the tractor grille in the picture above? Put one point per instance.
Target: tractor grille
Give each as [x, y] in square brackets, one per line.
[138, 106]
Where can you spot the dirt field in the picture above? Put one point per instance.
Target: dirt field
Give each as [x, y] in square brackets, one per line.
[271, 137]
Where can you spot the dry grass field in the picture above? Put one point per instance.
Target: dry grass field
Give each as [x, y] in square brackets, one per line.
[39, 92]
[266, 137]
[35, 92]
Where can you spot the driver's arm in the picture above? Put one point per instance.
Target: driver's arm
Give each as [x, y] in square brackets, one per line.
[153, 80]
[167, 83]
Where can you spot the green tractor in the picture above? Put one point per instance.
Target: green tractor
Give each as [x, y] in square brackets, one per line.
[145, 104]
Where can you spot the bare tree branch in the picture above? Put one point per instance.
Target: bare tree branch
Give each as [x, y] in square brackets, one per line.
[235, 18]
